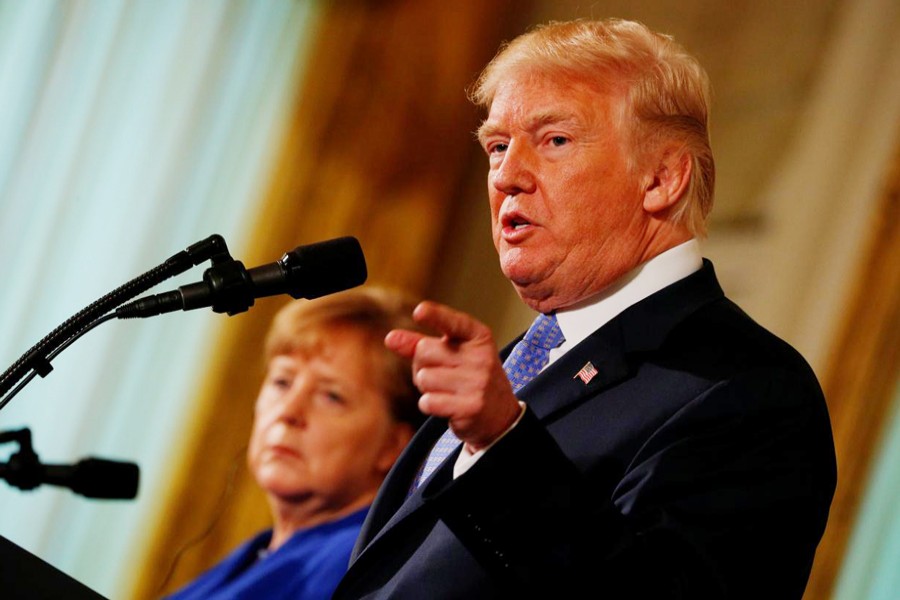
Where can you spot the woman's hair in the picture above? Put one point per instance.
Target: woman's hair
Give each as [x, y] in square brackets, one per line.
[304, 326]
[667, 92]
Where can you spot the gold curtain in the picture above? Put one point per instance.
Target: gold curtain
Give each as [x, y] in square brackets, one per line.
[378, 146]
[861, 379]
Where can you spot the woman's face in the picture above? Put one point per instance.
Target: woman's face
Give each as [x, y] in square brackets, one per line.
[323, 435]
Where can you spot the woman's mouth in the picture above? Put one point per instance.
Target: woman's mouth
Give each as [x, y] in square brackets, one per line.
[281, 450]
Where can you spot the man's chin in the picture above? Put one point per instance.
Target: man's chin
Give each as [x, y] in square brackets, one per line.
[534, 295]
[521, 272]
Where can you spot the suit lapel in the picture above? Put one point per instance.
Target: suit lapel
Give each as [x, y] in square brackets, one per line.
[395, 489]
[559, 385]
[641, 328]
[409, 508]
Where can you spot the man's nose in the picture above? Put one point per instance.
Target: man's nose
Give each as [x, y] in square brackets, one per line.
[516, 171]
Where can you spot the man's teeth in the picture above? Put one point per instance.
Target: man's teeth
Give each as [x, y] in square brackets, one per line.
[519, 224]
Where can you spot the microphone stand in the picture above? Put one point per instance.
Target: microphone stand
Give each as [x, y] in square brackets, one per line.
[36, 361]
[92, 477]
[53, 355]
[227, 286]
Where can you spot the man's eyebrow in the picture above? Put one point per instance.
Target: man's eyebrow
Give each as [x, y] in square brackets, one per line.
[533, 123]
[485, 131]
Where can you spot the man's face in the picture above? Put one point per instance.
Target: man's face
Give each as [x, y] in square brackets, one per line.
[565, 209]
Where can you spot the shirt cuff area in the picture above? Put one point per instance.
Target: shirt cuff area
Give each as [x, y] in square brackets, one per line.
[466, 459]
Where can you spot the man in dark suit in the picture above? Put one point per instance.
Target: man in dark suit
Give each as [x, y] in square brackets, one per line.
[645, 438]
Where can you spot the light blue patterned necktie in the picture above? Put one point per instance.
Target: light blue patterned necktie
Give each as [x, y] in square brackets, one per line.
[526, 360]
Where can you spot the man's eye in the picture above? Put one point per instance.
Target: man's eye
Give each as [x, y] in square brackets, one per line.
[495, 148]
[559, 140]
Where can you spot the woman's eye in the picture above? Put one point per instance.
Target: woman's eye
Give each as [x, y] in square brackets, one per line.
[281, 383]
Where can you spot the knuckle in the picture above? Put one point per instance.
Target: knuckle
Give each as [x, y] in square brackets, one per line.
[421, 347]
[482, 380]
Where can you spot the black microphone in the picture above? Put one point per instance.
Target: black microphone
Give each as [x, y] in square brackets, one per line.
[305, 272]
[90, 477]
[96, 478]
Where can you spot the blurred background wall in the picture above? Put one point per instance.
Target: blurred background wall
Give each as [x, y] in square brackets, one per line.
[133, 129]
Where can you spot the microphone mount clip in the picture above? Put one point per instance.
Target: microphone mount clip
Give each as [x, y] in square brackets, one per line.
[23, 470]
[226, 281]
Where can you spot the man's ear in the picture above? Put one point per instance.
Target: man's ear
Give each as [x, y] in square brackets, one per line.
[669, 181]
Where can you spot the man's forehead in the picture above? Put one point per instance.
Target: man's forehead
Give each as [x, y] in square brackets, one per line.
[576, 104]
[521, 117]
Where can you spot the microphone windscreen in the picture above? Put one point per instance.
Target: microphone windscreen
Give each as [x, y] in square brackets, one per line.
[99, 478]
[325, 267]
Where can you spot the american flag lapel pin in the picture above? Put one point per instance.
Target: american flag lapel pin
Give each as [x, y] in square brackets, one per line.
[587, 372]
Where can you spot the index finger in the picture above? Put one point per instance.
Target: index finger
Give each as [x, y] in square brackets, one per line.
[455, 324]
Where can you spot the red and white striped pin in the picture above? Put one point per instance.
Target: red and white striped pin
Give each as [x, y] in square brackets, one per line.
[587, 372]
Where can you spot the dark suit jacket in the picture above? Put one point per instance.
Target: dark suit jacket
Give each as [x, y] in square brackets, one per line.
[698, 463]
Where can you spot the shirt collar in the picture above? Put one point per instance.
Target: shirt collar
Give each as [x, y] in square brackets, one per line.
[582, 319]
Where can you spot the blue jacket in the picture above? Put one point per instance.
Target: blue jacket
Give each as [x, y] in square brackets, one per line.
[307, 567]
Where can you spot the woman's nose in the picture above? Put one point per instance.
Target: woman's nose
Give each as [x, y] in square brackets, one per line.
[294, 406]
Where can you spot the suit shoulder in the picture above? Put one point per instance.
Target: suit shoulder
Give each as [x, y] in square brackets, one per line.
[725, 341]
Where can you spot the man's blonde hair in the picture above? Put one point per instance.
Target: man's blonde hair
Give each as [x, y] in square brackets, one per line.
[667, 92]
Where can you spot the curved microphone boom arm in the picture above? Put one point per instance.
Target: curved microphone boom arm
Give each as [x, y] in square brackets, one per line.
[36, 359]
[305, 272]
